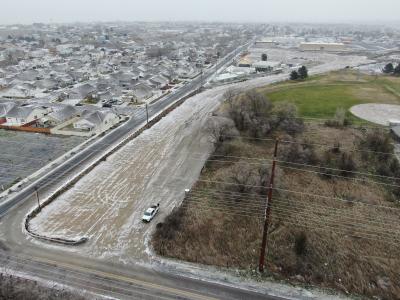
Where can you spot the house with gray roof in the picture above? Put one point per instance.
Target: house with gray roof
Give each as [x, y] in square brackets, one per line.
[23, 115]
[4, 109]
[59, 116]
[142, 92]
[97, 121]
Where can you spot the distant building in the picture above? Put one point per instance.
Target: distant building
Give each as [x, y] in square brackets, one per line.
[265, 66]
[266, 44]
[329, 47]
[245, 62]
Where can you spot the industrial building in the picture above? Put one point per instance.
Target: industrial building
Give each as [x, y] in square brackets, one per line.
[329, 47]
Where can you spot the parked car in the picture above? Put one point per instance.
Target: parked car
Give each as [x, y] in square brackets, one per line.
[150, 213]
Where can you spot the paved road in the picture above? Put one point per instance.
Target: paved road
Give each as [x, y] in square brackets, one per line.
[136, 282]
[73, 165]
[107, 278]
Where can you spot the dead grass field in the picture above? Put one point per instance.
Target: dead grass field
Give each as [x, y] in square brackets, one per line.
[328, 228]
[347, 240]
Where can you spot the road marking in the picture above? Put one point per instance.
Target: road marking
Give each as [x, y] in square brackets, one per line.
[146, 284]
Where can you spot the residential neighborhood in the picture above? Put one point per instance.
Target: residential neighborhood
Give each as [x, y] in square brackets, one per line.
[198, 160]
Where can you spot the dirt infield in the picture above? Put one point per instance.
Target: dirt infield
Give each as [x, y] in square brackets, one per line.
[377, 113]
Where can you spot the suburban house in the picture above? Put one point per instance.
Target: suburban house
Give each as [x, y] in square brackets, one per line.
[4, 109]
[97, 121]
[25, 115]
[59, 116]
[158, 81]
[142, 92]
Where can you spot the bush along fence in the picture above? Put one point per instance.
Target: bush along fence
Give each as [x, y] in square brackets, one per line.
[71, 183]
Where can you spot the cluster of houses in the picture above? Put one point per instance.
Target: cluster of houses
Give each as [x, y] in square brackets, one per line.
[73, 79]
[58, 119]
[106, 64]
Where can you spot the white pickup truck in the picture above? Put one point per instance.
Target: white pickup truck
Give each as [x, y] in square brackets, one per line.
[150, 213]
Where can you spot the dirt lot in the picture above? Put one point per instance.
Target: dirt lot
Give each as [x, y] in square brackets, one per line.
[18, 148]
[107, 204]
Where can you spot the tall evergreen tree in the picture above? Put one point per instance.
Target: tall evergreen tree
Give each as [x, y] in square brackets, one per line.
[396, 70]
[303, 72]
[264, 57]
[388, 69]
[294, 75]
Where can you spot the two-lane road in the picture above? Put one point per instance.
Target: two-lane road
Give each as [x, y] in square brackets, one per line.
[84, 157]
[107, 278]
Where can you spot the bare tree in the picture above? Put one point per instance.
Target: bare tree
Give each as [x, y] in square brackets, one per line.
[220, 129]
[230, 95]
[242, 175]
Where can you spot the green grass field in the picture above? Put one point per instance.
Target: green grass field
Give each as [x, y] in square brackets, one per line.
[321, 96]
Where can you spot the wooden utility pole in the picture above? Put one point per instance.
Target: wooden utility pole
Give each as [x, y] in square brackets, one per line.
[37, 196]
[268, 210]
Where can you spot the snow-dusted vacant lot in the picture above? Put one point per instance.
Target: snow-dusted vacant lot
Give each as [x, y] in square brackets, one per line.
[106, 205]
[34, 151]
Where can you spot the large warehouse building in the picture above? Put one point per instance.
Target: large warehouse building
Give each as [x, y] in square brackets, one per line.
[330, 47]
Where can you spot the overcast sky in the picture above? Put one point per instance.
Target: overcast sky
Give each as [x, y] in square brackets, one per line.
[360, 11]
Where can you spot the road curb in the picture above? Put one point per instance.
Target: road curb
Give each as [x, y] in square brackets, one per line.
[87, 170]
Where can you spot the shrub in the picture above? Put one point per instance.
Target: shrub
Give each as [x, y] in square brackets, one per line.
[286, 118]
[303, 154]
[300, 244]
[347, 163]
[389, 168]
[172, 225]
[378, 142]
[339, 120]
[254, 113]
[336, 147]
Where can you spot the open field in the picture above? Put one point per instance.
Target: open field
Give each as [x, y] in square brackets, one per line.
[320, 96]
[24, 153]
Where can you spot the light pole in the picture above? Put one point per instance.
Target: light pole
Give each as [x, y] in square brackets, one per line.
[37, 196]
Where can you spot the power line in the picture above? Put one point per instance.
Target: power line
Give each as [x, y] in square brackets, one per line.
[308, 144]
[341, 176]
[253, 208]
[335, 198]
[344, 211]
[232, 202]
[316, 225]
[315, 172]
[341, 221]
[344, 227]
[324, 227]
